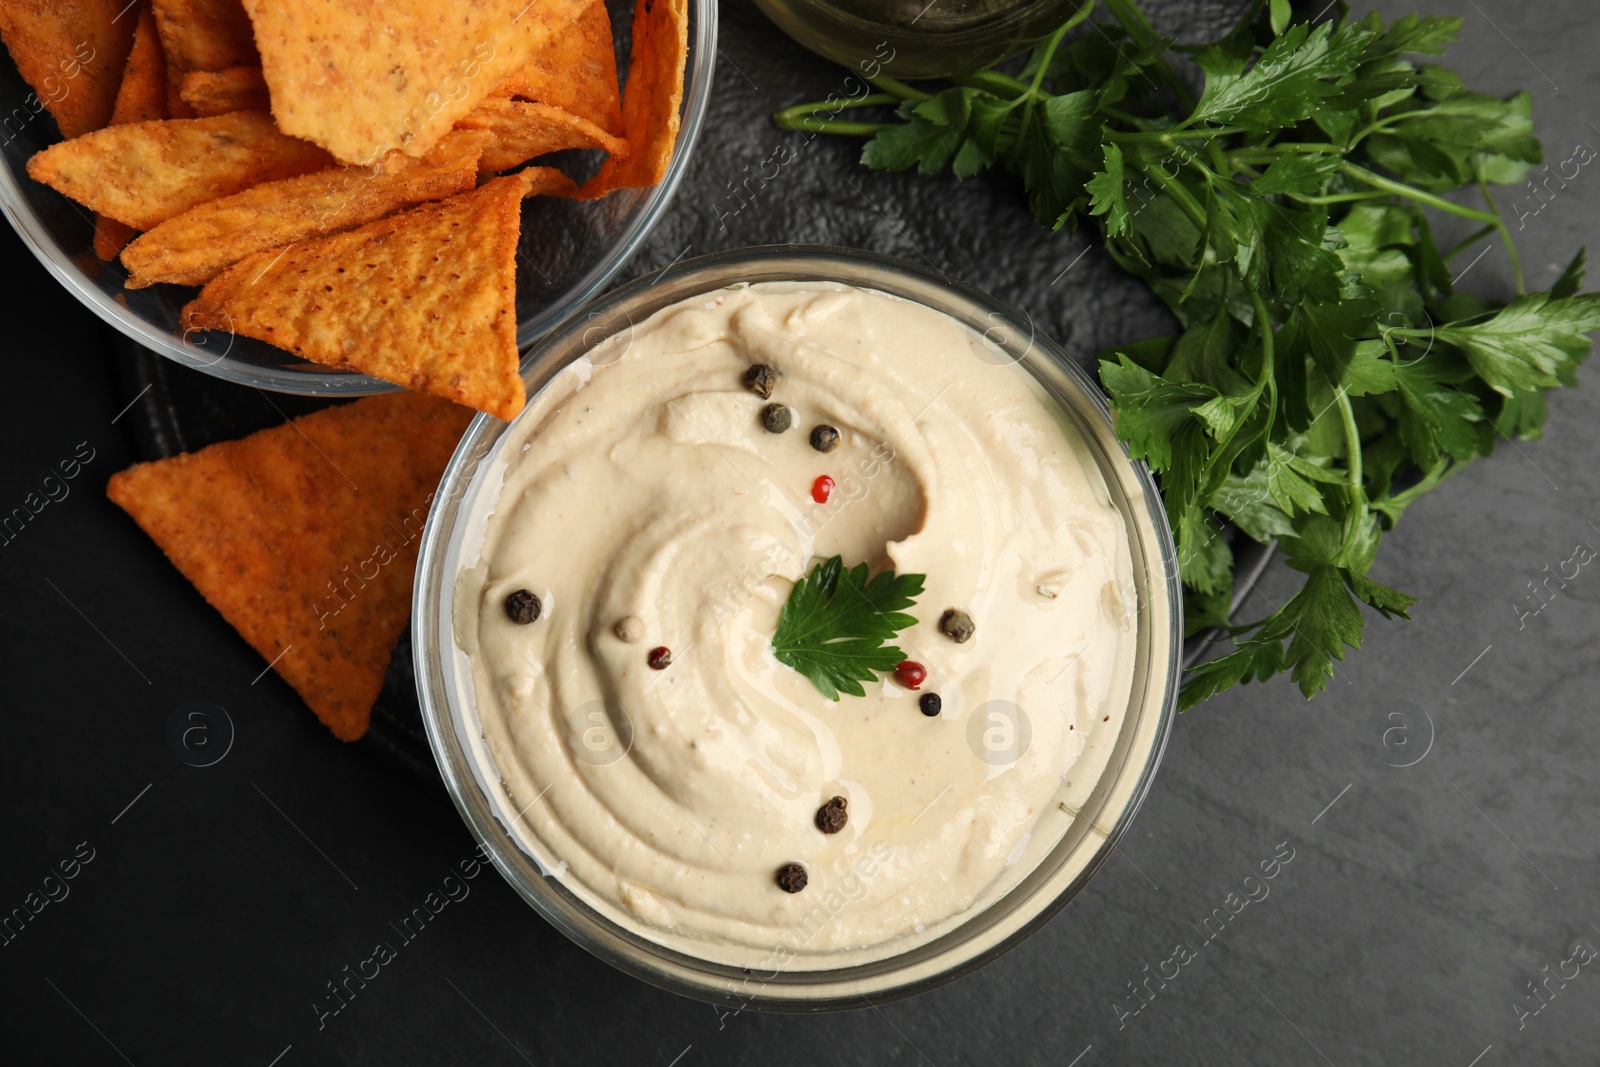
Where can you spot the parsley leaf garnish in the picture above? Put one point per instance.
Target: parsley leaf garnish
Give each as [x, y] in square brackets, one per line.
[833, 627]
[1324, 373]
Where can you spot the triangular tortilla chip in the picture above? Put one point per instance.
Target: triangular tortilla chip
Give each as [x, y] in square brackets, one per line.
[196, 246]
[425, 298]
[651, 100]
[142, 97]
[144, 173]
[217, 92]
[111, 237]
[202, 35]
[364, 77]
[305, 537]
[522, 130]
[71, 53]
[547, 181]
[577, 71]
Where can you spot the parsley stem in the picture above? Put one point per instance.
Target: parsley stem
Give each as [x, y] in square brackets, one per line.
[1505, 234]
[1375, 127]
[1122, 116]
[1180, 194]
[805, 119]
[1352, 461]
[1002, 85]
[1045, 56]
[1269, 359]
[1394, 504]
[1144, 35]
[1384, 124]
[1275, 152]
[1219, 158]
[1394, 350]
[798, 110]
[898, 88]
[1472, 239]
[1339, 198]
[1221, 459]
[1411, 192]
[1049, 51]
[832, 127]
[1159, 137]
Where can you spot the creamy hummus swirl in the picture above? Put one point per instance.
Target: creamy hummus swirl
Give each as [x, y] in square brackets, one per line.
[641, 488]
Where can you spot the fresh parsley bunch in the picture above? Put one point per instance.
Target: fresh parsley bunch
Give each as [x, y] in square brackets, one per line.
[1326, 373]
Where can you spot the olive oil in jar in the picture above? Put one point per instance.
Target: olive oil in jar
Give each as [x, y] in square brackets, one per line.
[917, 38]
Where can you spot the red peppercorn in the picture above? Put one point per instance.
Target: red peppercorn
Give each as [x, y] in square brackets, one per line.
[822, 489]
[910, 673]
[660, 658]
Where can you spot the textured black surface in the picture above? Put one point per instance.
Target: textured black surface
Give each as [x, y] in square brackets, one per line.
[1416, 909]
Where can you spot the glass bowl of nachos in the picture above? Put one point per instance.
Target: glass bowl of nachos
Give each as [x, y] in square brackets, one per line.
[190, 183]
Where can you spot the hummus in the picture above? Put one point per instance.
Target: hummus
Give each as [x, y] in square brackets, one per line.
[645, 505]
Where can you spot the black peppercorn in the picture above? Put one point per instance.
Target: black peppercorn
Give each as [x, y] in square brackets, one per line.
[930, 704]
[957, 626]
[760, 379]
[776, 418]
[832, 816]
[824, 438]
[792, 878]
[522, 607]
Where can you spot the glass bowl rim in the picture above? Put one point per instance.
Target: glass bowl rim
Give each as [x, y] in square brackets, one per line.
[647, 960]
[295, 380]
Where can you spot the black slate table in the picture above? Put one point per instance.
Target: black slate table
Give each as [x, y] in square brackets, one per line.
[1440, 802]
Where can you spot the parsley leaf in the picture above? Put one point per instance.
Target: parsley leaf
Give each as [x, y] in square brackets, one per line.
[1295, 173]
[1530, 343]
[1150, 410]
[1105, 192]
[833, 627]
[1429, 35]
[1294, 75]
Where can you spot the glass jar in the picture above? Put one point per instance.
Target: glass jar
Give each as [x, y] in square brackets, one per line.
[917, 38]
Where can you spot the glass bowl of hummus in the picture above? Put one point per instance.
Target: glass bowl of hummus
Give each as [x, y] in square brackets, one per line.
[604, 579]
[569, 250]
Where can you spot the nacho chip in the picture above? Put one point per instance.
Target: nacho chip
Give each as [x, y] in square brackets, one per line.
[337, 80]
[305, 537]
[522, 130]
[71, 53]
[651, 100]
[218, 92]
[142, 97]
[548, 181]
[577, 71]
[196, 246]
[425, 298]
[111, 237]
[144, 173]
[202, 35]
